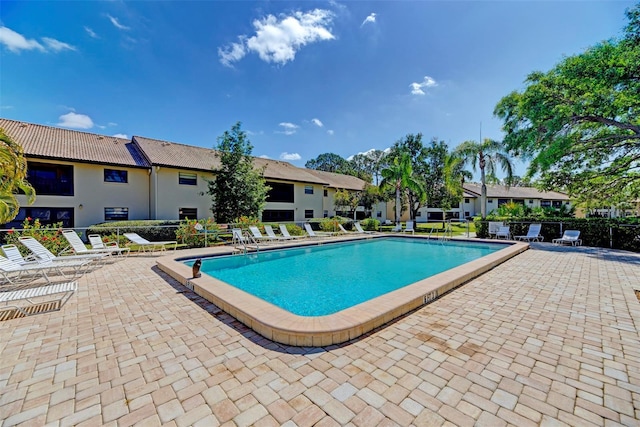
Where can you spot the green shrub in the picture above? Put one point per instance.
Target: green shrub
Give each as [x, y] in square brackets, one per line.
[370, 224]
[294, 230]
[188, 234]
[158, 230]
[50, 236]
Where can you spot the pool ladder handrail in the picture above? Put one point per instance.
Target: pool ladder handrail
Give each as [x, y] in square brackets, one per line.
[447, 234]
[246, 237]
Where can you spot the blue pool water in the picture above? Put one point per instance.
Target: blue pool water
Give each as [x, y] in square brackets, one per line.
[321, 280]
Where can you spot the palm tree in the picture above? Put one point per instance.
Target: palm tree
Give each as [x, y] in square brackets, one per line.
[455, 176]
[486, 155]
[13, 177]
[399, 175]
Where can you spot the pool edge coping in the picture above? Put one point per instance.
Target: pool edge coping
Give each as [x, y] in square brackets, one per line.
[279, 325]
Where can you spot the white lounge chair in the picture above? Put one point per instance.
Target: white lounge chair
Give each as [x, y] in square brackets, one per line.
[493, 228]
[97, 243]
[533, 234]
[67, 268]
[359, 229]
[285, 232]
[397, 228]
[78, 247]
[272, 235]
[315, 234]
[344, 230]
[571, 237]
[409, 227]
[63, 291]
[257, 235]
[13, 253]
[43, 254]
[503, 232]
[14, 273]
[145, 245]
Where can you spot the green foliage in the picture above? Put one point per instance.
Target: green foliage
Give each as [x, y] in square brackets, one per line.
[158, 230]
[331, 224]
[330, 162]
[511, 210]
[295, 230]
[237, 188]
[370, 224]
[485, 155]
[13, 178]
[399, 176]
[245, 222]
[50, 236]
[579, 123]
[189, 234]
[419, 155]
[599, 232]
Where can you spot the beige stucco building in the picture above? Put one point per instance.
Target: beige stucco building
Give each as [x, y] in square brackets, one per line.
[83, 179]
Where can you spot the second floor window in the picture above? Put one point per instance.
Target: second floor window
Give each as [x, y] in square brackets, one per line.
[51, 179]
[185, 178]
[308, 189]
[115, 175]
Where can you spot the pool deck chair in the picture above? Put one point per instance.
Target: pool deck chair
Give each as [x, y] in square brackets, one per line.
[409, 227]
[13, 253]
[397, 228]
[285, 232]
[316, 234]
[14, 273]
[533, 234]
[571, 237]
[503, 232]
[43, 254]
[342, 230]
[257, 235]
[31, 266]
[360, 230]
[493, 228]
[34, 296]
[273, 236]
[145, 245]
[78, 247]
[97, 243]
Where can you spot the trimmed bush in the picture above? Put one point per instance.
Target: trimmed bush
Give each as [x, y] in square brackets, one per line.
[158, 230]
[370, 224]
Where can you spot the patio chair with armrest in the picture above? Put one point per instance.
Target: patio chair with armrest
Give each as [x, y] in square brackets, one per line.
[571, 237]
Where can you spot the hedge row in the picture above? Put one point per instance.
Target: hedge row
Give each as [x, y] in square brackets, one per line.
[158, 230]
[618, 233]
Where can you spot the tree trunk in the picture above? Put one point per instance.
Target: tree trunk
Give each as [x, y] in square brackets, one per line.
[483, 194]
[397, 206]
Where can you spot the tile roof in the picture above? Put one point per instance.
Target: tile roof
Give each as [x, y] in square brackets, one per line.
[339, 181]
[171, 154]
[498, 191]
[64, 144]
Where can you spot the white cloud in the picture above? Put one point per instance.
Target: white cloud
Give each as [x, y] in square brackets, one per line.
[117, 23]
[57, 45]
[16, 42]
[289, 128]
[112, 124]
[121, 135]
[290, 156]
[264, 156]
[317, 122]
[417, 88]
[371, 18]
[91, 33]
[330, 132]
[232, 53]
[75, 121]
[278, 39]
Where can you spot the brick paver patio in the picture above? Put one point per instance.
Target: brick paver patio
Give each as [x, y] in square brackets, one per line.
[548, 338]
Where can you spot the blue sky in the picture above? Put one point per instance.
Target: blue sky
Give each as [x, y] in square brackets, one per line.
[304, 78]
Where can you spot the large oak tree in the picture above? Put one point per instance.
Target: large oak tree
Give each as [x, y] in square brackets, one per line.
[579, 123]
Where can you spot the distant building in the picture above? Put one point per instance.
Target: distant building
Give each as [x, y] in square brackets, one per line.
[83, 179]
[497, 195]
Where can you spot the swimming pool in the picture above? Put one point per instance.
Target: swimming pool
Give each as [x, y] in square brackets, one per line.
[282, 326]
[325, 279]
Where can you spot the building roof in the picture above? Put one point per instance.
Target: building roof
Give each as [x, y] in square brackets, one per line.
[501, 191]
[339, 181]
[174, 155]
[49, 142]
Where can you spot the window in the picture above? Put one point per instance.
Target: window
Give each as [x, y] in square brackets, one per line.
[466, 214]
[308, 189]
[545, 203]
[188, 213]
[419, 213]
[490, 201]
[325, 214]
[276, 215]
[50, 179]
[466, 200]
[556, 204]
[185, 178]
[530, 201]
[116, 214]
[503, 202]
[280, 192]
[114, 175]
[379, 214]
[308, 213]
[326, 192]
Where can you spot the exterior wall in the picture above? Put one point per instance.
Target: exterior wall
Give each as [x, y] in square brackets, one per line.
[304, 201]
[171, 195]
[91, 194]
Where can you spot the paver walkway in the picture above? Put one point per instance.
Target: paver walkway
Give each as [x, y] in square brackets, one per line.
[548, 338]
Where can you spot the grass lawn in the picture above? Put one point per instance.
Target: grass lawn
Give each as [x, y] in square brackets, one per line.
[458, 228]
